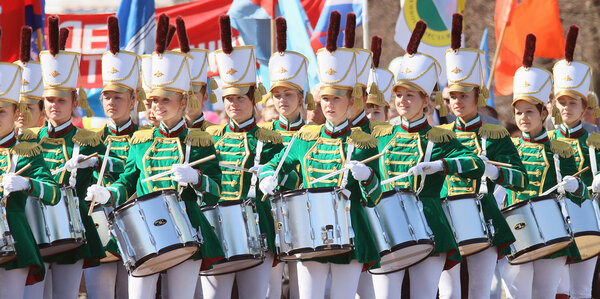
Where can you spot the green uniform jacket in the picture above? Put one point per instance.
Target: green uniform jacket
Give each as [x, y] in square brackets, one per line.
[57, 148]
[537, 156]
[406, 145]
[580, 140]
[319, 152]
[237, 146]
[287, 132]
[42, 187]
[499, 147]
[156, 150]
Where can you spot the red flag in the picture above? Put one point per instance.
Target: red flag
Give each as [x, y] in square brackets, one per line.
[267, 5]
[540, 17]
[12, 18]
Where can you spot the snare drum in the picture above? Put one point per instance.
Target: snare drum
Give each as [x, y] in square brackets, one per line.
[585, 224]
[539, 227]
[466, 219]
[153, 233]
[236, 226]
[7, 243]
[100, 218]
[312, 223]
[57, 228]
[401, 232]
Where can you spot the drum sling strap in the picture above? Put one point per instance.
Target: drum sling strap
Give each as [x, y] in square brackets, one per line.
[343, 188]
[254, 179]
[73, 177]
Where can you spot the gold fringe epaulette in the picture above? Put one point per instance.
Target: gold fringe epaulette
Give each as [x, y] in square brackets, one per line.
[269, 136]
[142, 136]
[206, 124]
[85, 137]
[30, 134]
[146, 127]
[516, 140]
[493, 131]
[267, 125]
[361, 139]
[449, 126]
[564, 150]
[27, 149]
[593, 141]
[551, 134]
[374, 124]
[216, 130]
[199, 138]
[310, 132]
[382, 130]
[439, 135]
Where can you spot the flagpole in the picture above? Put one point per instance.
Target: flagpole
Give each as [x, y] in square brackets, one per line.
[365, 24]
[496, 54]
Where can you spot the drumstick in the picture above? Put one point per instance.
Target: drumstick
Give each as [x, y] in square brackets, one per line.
[345, 168]
[398, 177]
[235, 167]
[168, 172]
[285, 153]
[500, 164]
[61, 169]
[562, 183]
[100, 176]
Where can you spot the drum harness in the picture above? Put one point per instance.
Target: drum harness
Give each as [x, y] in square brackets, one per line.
[561, 196]
[483, 191]
[594, 167]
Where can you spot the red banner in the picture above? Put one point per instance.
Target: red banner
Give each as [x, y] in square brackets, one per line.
[89, 34]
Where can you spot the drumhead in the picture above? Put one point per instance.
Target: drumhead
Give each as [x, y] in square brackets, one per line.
[472, 246]
[404, 257]
[166, 258]
[307, 253]
[233, 264]
[60, 246]
[538, 251]
[588, 244]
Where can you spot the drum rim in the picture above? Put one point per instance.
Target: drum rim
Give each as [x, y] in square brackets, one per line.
[475, 241]
[461, 196]
[61, 242]
[308, 190]
[404, 268]
[224, 203]
[407, 244]
[239, 257]
[313, 249]
[169, 248]
[511, 257]
[586, 233]
[524, 202]
[397, 190]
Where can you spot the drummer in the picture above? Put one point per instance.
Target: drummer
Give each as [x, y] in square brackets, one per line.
[467, 89]
[32, 89]
[532, 88]
[571, 85]
[242, 143]
[36, 181]
[65, 145]
[146, 105]
[381, 81]
[338, 79]
[120, 76]
[406, 152]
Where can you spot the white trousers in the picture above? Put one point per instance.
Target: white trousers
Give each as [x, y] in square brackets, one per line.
[577, 279]
[275, 280]
[38, 290]
[388, 286]
[538, 279]
[312, 277]
[122, 281]
[252, 283]
[293, 282]
[12, 283]
[365, 288]
[425, 276]
[100, 281]
[481, 267]
[57, 287]
[181, 281]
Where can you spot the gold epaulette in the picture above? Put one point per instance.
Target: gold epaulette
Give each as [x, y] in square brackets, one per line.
[491, 131]
[439, 135]
[206, 124]
[267, 125]
[27, 149]
[199, 138]
[593, 140]
[374, 124]
[563, 149]
[85, 137]
[30, 134]
[382, 130]
[516, 140]
[310, 132]
[141, 136]
[216, 130]
[146, 127]
[551, 134]
[269, 136]
[449, 126]
[361, 139]
[100, 131]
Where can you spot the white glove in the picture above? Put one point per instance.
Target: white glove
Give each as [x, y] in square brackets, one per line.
[596, 184]
[101, 194]
[491, 171]
[13, 183]
[360, 171]
[426, 168]
[256, 169]
[74, 163]
[184, 174]
[268, 184]
[571, 185]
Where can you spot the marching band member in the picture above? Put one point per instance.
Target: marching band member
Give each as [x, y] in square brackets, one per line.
[571, 86]
[532, 88]
[32, 89]
[381, 81]
[404, 146]
[467, 90]
[20, 255]
[151, 149]
[120, 76]
[64, 145]
[198, 73]
[318, 150]
[146, 79]
[242, 143]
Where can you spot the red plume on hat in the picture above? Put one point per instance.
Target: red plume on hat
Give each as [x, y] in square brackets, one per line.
[349, 32]
[415, 38]
[184, 43]
[333, 31]
[281, 25]
[25, 52]
[162, 29]
[457, 26]
[225, 26]
[170, 35]
[63, 36]
[376, 49]
[53, 33]
[529, 52]
[571, 41]
[114, 39]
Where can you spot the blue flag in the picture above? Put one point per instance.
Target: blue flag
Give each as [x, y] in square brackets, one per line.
[137, 25]
[483, 46]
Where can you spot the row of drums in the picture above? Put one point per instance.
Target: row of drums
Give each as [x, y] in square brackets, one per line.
[153, 232]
